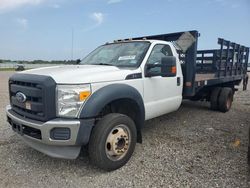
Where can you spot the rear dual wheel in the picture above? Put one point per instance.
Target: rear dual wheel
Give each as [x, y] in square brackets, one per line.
[225, 99]
[221, 99]
[214, 105]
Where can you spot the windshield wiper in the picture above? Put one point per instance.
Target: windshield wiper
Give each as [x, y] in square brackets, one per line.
[103, 64]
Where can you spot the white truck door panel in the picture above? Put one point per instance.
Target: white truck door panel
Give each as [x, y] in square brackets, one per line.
[161, 96]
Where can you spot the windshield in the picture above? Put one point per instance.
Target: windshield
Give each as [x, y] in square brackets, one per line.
[126, 54]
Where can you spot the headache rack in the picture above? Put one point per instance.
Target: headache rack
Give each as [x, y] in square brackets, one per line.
[206, 68]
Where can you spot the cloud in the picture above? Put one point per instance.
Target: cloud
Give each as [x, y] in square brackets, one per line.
[6, 5]
[228, 3]
[114, 1]
[235, 5]
[98, 17]
[55, 6]
[22, 22]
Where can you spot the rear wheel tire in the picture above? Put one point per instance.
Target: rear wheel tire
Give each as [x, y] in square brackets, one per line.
[214, 105]
[112, 141]
[225, 99]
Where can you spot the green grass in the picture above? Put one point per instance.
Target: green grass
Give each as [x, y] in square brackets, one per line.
[7, 69]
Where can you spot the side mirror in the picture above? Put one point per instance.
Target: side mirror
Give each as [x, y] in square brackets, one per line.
[78, 61]
[153, 70]
[168, 66]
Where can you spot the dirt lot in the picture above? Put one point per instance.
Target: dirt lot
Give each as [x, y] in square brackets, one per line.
[193, 147]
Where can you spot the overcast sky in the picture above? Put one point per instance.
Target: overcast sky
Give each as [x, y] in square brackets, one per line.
[42, 29]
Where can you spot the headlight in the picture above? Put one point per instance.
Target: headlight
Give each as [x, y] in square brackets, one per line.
[70, 99]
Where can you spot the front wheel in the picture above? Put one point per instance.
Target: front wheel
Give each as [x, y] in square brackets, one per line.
[112, 141]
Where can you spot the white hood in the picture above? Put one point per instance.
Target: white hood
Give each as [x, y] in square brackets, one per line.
[79, 74]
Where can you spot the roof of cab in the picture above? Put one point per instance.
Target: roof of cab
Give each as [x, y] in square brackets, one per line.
[131, 40]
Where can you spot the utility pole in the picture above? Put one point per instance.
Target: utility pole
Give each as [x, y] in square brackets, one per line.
[72, 45]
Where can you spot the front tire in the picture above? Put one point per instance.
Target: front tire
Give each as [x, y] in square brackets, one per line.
[112, 141]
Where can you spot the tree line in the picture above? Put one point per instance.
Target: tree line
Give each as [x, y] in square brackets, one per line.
[40, 61]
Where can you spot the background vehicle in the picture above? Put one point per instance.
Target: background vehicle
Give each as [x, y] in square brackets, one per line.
[19, 67]
[103, 102]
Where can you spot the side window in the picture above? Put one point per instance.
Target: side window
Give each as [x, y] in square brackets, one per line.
[159, 51]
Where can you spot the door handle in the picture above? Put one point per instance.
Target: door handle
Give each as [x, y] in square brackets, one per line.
[178, 81]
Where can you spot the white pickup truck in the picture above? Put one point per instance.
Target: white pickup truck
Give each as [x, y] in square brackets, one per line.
[103, 102]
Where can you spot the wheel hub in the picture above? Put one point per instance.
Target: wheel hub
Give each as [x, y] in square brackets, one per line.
[117, 143]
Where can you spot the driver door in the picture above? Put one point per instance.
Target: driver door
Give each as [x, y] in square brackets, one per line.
[161, 94]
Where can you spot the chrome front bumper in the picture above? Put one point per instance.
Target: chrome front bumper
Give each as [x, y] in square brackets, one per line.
[68, 149]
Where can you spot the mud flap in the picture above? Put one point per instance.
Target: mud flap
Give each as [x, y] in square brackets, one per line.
[245, 82]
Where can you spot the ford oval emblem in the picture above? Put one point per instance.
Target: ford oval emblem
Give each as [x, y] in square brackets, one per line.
[21, 97]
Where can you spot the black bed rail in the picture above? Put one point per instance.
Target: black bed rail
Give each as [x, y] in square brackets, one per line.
[230, 60]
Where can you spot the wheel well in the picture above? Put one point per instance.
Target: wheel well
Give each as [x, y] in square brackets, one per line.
[123, 106]
[205, 93]
[127, 107]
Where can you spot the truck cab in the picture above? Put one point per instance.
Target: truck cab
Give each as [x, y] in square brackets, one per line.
[103, 102]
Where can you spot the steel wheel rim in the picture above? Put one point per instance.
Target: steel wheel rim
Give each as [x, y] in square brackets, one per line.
[118, 142]
[229, 102]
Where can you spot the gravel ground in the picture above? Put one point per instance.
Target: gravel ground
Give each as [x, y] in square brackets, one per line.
[193, 147]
